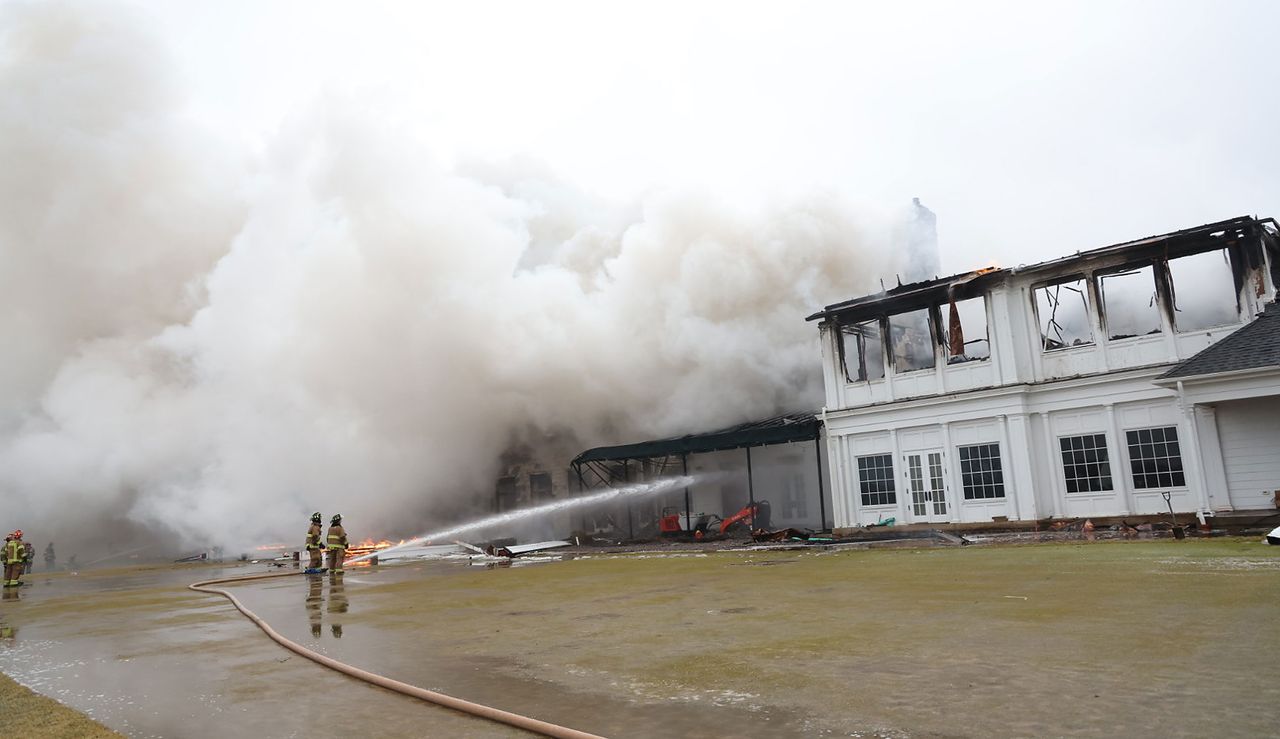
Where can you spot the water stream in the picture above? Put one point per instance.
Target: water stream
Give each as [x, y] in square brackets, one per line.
[639, 490]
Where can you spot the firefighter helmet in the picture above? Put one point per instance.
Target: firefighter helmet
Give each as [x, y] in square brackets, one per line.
[315, 517]
[337, 519]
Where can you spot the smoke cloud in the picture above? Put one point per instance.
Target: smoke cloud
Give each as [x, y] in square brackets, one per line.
[205, 343]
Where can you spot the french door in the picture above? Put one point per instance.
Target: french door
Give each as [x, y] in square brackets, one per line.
[927, 485]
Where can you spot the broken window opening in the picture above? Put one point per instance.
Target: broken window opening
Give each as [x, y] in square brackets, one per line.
[505, 493]
[862, 351]
[1129, 304]
[1203, 289]
[1271, 253]
[911, 341]
[540, 486]
[966, 337]
[1064, 314]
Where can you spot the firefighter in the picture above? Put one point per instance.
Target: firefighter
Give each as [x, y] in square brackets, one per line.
[337, 543]
[50, 559]
[314, 545]
[28, 557]
[15, 555]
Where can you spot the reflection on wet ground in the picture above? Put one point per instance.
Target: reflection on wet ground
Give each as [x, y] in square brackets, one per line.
[143, 655]
[162, 661]
[1102, 639]
[337, 603]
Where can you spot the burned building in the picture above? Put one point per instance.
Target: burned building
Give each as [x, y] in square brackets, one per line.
[1091, 385]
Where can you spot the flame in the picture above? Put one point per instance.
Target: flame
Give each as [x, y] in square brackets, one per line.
[368, 546]
[371, 544]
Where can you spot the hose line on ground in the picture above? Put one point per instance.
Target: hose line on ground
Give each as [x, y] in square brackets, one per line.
[457, 704]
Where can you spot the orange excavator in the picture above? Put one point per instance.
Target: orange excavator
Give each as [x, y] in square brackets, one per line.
[753, 515]
[756, 515]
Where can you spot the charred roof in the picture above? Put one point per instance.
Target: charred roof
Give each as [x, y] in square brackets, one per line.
[1221, 234]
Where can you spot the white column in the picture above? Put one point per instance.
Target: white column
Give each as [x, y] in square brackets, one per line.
[836, 476]
[832, 374]
[1190, 411]
[903, 490]
[1212, 468]
[1051, 455]
[1035, 342]
[1099, 321]
[1016, 461]
[955, 494]
[1119, 466]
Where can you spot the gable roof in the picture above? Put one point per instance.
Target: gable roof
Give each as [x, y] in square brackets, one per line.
[1256, 346]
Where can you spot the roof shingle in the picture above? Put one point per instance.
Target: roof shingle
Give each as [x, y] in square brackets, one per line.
[1256, 346]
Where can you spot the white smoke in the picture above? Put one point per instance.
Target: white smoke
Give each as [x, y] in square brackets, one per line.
[204, 344]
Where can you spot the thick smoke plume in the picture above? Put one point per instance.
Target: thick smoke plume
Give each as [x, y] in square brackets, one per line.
[204, 344]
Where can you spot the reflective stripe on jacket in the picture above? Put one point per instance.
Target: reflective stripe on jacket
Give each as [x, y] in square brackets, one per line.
[313, 537]
[14, 552]
[337, 538]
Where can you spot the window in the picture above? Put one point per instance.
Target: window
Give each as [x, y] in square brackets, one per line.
[862, 351]
[1155, 458]
[1204, 293]
[910, 341]
[1085, 463]
[966, 330]
[505, 493]
[1129, 305]
[540, 487]
[875, 478]
[980, 471]
[1064, 314]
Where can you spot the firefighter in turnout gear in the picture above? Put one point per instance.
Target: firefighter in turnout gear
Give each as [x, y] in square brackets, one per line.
[15, 557]
[337, 543]
[314, 545]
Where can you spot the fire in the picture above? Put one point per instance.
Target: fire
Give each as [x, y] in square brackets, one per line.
[371, 544]
[368, 546]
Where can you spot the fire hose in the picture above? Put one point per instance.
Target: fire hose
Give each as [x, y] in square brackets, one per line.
[475, 709]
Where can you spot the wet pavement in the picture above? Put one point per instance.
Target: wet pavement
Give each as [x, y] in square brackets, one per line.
[146, 657]
[143, 655]
[1138, 639]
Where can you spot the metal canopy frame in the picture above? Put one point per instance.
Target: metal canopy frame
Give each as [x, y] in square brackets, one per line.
[661, 453]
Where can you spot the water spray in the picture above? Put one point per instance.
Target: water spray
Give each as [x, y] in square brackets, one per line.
[639, 490]
[117, 555]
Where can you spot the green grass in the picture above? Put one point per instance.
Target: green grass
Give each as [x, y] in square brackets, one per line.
[26, 714]
[859, 633]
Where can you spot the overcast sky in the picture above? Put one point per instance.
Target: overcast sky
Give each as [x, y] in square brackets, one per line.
[1032, 129]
